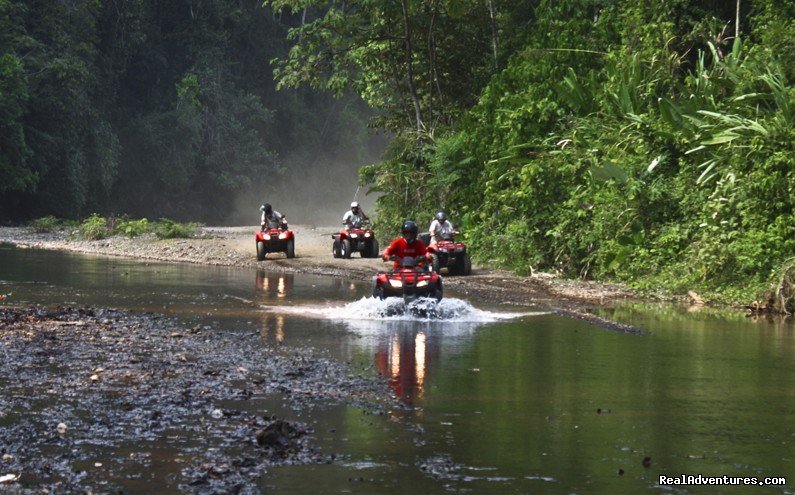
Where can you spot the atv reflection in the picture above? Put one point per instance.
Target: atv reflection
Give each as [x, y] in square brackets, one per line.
[406, 356]
[275, 285]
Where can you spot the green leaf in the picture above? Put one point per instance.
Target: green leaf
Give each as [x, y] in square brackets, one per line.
[722, 138]
[694, 150]
[705, 175]
[609, 171]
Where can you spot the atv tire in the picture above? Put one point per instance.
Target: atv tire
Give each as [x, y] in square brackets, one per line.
[438, 292]
[436, 263]
[378, 292]
[260, 251]
[365, 252]
[290, 251]
[345, 249]
[464, 264]
[373, 248]
[335, 249]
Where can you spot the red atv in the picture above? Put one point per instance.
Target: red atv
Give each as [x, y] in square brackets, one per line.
[275, 240]
[359, 238]
[447, 253]
[409, 280]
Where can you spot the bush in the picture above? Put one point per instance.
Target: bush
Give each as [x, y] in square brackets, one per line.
[134, 228]
[168, 229]
[94, 228]
[45, 225]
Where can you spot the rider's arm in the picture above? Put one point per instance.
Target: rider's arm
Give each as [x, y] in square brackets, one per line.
[392, 249]
[423, 251]
[281, 219]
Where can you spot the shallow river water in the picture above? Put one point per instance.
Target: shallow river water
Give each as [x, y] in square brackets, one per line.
[500, 399]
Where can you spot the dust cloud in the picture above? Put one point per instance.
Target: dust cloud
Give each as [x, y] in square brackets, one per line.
[320, 164]
[316, 193]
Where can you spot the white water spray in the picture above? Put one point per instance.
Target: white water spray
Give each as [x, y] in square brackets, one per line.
[395, 309]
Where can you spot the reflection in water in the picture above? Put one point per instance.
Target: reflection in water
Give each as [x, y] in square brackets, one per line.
[405, 355]
[272, 324]
[275, 285]
[406, 339]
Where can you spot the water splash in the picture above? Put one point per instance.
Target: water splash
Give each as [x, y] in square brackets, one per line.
[395, 309]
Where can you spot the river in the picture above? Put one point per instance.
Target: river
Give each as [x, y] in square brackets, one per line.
[498, 399]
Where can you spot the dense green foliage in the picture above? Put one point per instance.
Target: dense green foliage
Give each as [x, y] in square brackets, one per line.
[151, 108]
[637, 141]
[670, 166]
[648, 142]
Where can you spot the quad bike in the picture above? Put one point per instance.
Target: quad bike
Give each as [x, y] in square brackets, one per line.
[274, 239]
[447, 253]
[359, 238]
[409, 280]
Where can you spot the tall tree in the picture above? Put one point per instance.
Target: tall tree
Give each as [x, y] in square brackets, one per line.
[372, 47]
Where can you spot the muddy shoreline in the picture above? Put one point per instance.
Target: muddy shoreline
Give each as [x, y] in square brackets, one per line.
[93, 398]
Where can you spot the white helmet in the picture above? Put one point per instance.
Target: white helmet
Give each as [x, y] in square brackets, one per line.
[354, 204]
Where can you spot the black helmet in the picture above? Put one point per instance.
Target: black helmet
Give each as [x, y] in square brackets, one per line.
[441, 215]
[266, 208]
[410, 231]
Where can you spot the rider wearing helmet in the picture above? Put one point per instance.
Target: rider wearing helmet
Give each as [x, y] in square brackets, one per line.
[272, 218]
[407, 245]
[354, 217]
[440, 227]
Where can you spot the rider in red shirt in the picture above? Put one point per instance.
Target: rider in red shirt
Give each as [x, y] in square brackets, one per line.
[408, 245]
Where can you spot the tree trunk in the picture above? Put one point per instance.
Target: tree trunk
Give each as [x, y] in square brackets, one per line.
[303, 21]
[737, 21]
[409, 66]
[433, 83]
[493, 19]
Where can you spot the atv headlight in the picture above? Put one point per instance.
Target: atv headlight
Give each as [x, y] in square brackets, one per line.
[442, 250]
[367, 234]
[266, 237]
[354, 236]
[422, 283]
[283, 235]
[396, 283]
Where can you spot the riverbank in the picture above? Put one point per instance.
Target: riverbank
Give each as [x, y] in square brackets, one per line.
[234, 246]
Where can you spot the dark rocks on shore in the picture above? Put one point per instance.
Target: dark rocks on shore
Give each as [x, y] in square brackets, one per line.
[146, 398]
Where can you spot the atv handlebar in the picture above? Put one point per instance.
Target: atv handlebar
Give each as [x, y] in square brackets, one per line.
[360, 225]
